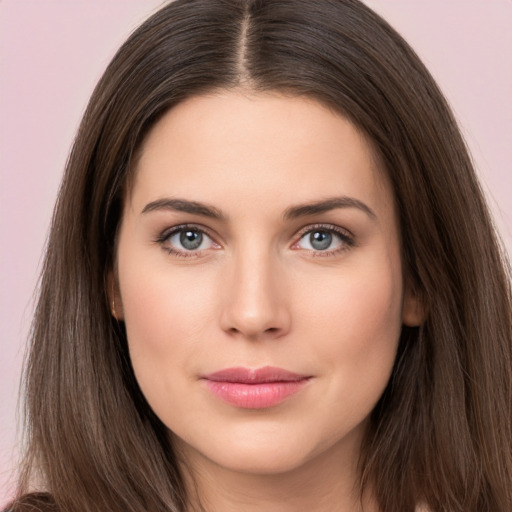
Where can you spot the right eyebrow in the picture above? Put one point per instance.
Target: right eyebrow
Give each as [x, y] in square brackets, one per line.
[183, 205]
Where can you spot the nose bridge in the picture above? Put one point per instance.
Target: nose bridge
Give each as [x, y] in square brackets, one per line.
[255, 304]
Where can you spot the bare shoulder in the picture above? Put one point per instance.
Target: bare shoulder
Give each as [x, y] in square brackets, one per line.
[34, 502]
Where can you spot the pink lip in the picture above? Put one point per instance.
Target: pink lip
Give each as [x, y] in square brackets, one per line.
[254, 388]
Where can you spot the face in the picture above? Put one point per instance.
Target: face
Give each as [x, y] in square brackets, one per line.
[260, 281]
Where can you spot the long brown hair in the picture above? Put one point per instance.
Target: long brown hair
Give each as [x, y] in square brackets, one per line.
[441, 433]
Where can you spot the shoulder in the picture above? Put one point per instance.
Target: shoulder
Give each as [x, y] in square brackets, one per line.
[34, 502]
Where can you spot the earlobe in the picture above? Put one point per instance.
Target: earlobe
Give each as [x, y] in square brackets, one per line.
[114, 297]
[414, 309]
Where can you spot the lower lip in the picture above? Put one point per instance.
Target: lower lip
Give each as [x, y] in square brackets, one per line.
[255, 396]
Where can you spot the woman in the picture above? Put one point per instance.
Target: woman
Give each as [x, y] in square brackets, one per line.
[272, 282]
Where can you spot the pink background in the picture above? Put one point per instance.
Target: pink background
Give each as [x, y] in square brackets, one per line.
[51, 55]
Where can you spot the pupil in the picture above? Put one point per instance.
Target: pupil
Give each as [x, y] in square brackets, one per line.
[191, 240]
[320, 240]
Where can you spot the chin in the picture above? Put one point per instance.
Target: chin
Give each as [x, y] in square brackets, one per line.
[265, 451]
[256, 460]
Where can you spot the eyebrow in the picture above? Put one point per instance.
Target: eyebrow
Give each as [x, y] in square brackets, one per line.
[183, 205]
[302, 210]
[326, 205]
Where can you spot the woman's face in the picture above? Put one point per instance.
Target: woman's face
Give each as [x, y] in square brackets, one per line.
[260, 280]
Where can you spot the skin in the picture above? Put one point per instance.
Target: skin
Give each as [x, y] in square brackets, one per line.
[257, 293]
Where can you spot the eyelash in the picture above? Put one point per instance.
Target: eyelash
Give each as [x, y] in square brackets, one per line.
[347, 239]
[168, 233]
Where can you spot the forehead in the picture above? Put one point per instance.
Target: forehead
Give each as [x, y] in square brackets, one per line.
[232, 146]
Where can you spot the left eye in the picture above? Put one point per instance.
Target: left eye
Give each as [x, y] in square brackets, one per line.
[322, 240]
[189, 239]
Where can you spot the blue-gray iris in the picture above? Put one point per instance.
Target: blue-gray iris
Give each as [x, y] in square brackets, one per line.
[320, 240]
[191, 240]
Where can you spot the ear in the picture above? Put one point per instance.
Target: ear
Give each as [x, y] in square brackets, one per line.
[114, 297]
[414, 310]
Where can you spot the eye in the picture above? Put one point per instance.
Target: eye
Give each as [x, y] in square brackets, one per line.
[186, 241]
[326, 240]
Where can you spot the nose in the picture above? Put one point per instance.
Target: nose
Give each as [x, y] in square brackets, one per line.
[256, 304]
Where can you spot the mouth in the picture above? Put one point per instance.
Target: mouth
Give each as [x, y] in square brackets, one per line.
[258, 388]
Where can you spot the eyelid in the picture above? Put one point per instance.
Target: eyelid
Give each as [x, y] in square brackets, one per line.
[326, 227]
[164, 236]
[347, 238]
[180, 227]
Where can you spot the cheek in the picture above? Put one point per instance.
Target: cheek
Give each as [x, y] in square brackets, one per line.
[357, 318]
[166, 315]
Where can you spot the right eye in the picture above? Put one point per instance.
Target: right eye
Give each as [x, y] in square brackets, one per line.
[186, 241]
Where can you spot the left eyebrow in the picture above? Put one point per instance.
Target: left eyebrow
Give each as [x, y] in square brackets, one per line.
[326, 205]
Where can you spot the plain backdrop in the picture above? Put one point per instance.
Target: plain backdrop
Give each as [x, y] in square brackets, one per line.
[52, 52]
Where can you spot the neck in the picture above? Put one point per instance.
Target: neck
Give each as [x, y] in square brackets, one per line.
[326, 483]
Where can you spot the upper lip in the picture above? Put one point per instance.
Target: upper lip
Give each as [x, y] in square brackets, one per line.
[254, 375]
